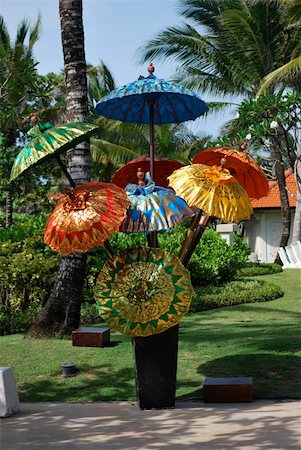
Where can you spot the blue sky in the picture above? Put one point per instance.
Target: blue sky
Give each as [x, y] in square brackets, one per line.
[114, 29]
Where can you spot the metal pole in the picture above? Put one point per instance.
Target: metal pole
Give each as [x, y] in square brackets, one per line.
[64, 169]
[151, 140]
[152, 237]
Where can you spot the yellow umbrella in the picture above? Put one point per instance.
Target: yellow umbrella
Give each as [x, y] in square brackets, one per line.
[216, 192]
[213, 190]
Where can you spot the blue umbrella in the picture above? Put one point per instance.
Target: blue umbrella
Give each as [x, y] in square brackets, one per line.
[153, 208]
[151, 101]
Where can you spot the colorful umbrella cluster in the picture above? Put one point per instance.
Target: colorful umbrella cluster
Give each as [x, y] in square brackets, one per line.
[143, 291]
[86, 217]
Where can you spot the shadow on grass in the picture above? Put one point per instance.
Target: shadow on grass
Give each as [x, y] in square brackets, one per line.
[274, 376]
[90, 383]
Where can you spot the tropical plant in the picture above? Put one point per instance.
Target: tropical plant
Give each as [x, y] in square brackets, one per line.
[272, 123]
[17, 82]
[228, 47]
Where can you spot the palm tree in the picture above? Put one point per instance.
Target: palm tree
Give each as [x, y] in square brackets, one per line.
[289, 73]
[17, 83]
[227, 48]
[61, 313]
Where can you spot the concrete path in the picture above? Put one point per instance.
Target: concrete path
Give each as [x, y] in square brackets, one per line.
[260, 425]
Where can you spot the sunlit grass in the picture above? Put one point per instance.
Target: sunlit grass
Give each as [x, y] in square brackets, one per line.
[261, 340]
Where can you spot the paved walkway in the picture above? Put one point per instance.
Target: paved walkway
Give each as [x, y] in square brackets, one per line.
[260, 425]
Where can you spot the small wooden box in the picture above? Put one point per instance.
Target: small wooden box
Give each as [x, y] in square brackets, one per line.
[90, 337]
[228, 390]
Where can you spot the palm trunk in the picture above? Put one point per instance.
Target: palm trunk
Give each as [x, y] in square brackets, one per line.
[9, 209]
[61, 313]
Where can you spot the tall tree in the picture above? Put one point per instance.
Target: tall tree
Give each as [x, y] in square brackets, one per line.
[61, 313]
[17, 84]
[228, 47]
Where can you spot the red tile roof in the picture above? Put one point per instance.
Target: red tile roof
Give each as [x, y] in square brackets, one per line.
[272, 200]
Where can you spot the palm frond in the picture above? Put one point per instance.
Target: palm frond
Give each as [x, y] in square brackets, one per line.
[287, 73]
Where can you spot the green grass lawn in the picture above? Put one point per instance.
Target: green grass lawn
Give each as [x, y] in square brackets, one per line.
[261, 340]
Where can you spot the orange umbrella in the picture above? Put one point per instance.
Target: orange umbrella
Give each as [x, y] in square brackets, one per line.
[241, 166]
[163, 168]
[86, 217]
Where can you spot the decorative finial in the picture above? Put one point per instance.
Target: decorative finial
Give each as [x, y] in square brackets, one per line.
[33, 118]
[243, 146]
[150, 68]
[223, 163]
[140, 176]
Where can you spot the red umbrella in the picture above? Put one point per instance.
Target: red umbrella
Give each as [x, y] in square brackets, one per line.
[241, 166]
[163, 168]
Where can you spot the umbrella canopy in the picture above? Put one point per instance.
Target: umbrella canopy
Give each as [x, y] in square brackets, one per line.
[153, 208]
[143, 291]
[241, 166]
[213, 190]
[86, 217]
[151, 101]
[48, 141]
[163, 168]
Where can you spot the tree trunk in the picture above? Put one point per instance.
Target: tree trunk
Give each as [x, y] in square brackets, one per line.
[285, 208]
[61, 314]
[296, 233]
[9, 209]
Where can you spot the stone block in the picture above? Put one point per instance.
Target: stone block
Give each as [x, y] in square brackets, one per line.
[9, 400]
[228, 390]
[90, 337]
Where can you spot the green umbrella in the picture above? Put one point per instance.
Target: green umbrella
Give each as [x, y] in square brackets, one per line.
[48, 142]
[143, 291]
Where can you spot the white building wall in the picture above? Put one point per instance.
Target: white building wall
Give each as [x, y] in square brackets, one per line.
[263, 234]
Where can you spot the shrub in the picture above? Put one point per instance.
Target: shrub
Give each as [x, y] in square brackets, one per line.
[28, 268]
[214, 261]
[90, 314]
[27, 273]
[17, 321]
[234, 293]
[255, 269]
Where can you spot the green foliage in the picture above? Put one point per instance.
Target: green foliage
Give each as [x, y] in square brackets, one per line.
[214, 261]
[265, 120]
[28, 270]
[25, 225]
[234, 293]
[89, 314]
[255, 269]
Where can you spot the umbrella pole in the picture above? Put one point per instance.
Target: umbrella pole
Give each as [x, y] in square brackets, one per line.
[151, 139]
[189, 234]
[64, 169]
[152, 238]
[109, 248]
[197, 234]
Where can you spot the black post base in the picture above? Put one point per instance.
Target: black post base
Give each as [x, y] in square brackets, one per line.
[156, 369]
